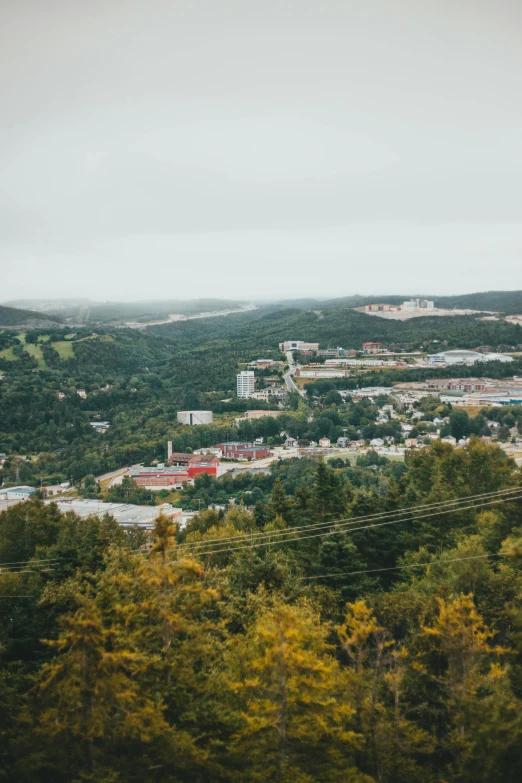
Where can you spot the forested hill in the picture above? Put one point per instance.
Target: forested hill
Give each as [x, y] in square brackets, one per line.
[508, 302]
[336, 324]
[13, 316]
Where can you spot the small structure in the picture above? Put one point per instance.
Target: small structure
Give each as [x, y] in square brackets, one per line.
[17, 493]
[449, 439]
[325, 443]
[100, 426]
[81, 393]
[194, 418]
[371, 347]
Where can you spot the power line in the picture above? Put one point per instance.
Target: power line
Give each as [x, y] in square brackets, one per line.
[343, 528]
[271, 535]
[399, 568]
[14, 569]
[28, 571]
[22, 562]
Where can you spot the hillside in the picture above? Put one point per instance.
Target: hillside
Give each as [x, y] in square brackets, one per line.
[338, 324]
[13, 316]
[85, 311]
[508, 302]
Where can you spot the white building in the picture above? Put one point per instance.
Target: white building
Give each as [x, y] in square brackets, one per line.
[245, 384]
[194, 417]
[459, 356]
[17, 493]
[298, 345]
[125, 514]
[362, 362]
[412, 305]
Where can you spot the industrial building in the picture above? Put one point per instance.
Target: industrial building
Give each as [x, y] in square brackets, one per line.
[418, 304]
[192, 461]
[238, 450]
[194, 417]
[459, 356]
[245, 384]
[161, 477]
[328, 372]
[125, 514]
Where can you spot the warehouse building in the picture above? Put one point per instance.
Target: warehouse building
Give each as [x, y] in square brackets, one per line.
[125, 514]
[161, 477]
[459, 356]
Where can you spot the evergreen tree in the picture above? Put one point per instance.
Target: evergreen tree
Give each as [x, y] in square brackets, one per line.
[294, 723]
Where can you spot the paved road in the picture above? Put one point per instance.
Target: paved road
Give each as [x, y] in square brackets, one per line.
[290, 383]
[116, 476]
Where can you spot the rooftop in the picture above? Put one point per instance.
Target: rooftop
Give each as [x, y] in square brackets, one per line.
[124, 513]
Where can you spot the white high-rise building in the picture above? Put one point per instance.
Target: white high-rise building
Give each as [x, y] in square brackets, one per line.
[245, 383]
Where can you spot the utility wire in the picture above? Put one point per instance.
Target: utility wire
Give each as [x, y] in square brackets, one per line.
[14, 569]
[407, 516]
[399, 568]
[28, 571]
[23, 562]
[341, 529]
[347, 520]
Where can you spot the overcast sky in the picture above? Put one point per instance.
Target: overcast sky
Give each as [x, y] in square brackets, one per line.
[259, 148]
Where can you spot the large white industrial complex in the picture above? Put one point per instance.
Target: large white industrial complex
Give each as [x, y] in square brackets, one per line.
[466, 357]
[125, 514]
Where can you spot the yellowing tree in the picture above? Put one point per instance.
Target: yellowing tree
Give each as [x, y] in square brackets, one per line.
[377, 671]
[485, 720]
[294, 723]
[90, 696]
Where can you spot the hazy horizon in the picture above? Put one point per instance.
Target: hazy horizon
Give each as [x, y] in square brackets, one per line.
[261, 150]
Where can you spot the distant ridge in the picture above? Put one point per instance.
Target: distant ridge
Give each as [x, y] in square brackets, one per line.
[13, 316]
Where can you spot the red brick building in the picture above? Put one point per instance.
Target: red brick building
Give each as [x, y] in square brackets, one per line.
[237, 450]
[175, 475]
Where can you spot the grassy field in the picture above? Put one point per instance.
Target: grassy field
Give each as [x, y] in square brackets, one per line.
[64, 348]
[36, 352]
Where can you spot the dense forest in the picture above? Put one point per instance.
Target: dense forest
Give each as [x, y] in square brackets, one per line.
[13, 316]
[361, 624]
